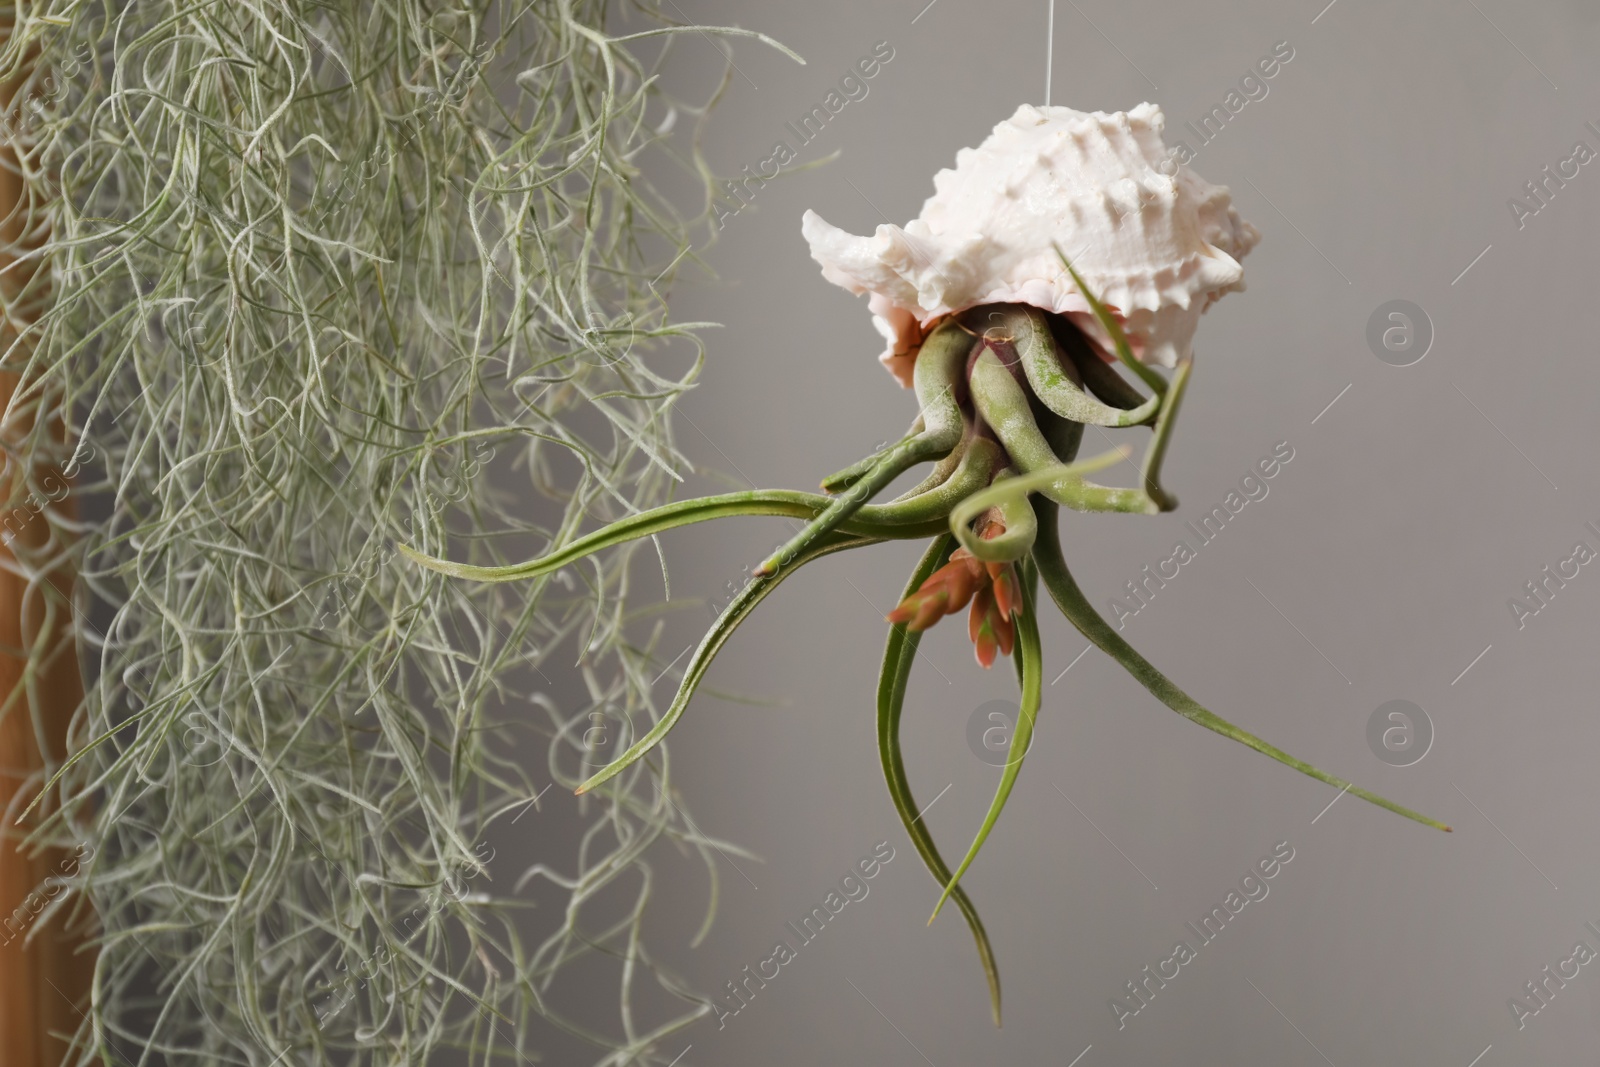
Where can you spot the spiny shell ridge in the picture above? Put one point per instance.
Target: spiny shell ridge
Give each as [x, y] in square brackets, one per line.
[1154, 241]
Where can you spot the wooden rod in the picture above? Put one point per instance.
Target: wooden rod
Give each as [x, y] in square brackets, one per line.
[44, 977]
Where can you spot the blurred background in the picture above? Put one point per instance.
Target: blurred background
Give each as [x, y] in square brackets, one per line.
[1380, 165]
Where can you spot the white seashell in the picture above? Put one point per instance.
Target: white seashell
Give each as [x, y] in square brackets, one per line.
[1158, 244]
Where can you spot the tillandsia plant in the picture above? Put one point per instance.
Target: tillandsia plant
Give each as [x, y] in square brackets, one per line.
[314, 278]
[1062, 246]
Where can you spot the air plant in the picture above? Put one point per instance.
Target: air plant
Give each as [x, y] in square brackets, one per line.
[1009, 344]
[302, 270]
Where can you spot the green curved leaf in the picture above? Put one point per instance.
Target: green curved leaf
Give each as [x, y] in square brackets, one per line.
[898, 657]
[735, 613]
[1097, 374]
[1076, 607]
[1012, 492]
[936, 379]
[1016, 517]
[1030, 665]
[841, 480]
[1046, 368]
[1113, 328]
[879, 522]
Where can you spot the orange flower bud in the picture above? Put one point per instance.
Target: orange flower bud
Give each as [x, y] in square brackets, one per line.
[980, 628]
[991, 588]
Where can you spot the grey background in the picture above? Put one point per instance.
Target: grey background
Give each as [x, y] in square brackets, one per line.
[1388, 548]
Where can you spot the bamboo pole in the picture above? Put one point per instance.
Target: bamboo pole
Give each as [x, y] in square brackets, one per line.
[44, 978]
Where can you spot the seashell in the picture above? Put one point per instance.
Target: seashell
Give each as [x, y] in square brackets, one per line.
[1157, 243]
